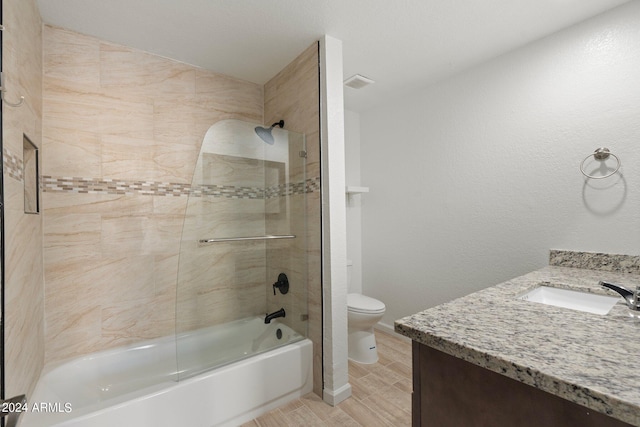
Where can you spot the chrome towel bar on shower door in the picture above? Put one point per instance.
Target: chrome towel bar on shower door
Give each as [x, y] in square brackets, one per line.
[239, 239]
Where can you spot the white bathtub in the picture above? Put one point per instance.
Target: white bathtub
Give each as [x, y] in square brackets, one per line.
[137, 385]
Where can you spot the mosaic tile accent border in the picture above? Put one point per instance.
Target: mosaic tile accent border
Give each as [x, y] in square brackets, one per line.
[112, 186]
[12, 165]
[308, 186]
[312, 185]
[595, 261]
[228, 191]
[150, 188]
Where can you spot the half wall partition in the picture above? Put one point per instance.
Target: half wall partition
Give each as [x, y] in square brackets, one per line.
[244, 227]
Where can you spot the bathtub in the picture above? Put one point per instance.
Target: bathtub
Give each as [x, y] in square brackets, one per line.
[138, 385]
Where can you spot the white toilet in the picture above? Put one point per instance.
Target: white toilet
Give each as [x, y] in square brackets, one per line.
[362, 313]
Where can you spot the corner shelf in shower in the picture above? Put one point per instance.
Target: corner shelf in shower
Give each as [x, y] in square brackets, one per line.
[351, 189]
[241, 239]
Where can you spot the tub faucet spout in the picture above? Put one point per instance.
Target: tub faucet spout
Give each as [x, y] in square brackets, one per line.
[630, 297]
[269, 317]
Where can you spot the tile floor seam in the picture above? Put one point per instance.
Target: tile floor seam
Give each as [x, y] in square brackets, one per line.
[299, 410]
[372, 406]
[391, 373]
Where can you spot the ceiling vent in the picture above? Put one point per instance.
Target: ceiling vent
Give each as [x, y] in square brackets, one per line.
[358, 82]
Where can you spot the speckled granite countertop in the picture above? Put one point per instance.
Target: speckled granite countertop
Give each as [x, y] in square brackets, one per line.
[589, 359]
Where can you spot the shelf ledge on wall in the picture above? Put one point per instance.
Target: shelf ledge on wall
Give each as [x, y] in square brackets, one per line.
[351, 189]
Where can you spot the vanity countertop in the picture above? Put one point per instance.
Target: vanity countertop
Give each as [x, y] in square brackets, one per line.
[588, 359]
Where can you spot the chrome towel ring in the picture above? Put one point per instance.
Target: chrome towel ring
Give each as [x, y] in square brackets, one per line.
[601, 154]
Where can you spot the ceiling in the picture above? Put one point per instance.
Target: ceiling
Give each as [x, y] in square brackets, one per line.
[403, 45]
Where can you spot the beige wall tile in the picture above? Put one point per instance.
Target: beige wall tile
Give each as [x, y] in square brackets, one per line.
[178, 137]
[78, 153]
[175, 120]
[114, 112]
[293, 95]
[228, 98]
[136, 320]
[102, 282]
[71, 60]
[24, 291]
[72, 237]
[313, 154]
[232, 170]
[23, 287]
[70, 111]
[22, 54]
[165, 275]
[289, 257]
[74, 334]
[125, 70]
[78, 290]
[221, 282]
[217, 217]
[174, 162]
[117, 113]
[127, 117]
[125, 235]
[113, 204]
[128, 158]
[131, 71]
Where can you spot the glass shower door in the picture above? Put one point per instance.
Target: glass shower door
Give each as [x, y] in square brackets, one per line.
[244, 222]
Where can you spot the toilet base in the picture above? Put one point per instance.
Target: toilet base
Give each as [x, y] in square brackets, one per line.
[362, 346]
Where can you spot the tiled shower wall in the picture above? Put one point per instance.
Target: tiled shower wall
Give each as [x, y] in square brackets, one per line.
[24, 287]
[121, 131]
[243, 187]
[293, 95]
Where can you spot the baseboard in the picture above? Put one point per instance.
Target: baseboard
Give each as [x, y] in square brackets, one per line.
[333, 397]
[388, 329]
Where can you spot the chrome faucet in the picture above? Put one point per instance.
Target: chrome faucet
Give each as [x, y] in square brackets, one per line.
[269, 317]
[630, 297]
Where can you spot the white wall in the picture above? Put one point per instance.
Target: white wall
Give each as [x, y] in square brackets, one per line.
[474, 179]
[354, 202]
[335, 368]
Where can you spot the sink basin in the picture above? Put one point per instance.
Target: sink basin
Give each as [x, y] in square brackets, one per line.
[582, 301]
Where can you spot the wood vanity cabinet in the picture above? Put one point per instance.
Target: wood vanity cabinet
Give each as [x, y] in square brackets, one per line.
[450, 392]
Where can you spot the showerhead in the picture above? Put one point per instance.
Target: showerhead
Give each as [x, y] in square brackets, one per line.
[265, 133]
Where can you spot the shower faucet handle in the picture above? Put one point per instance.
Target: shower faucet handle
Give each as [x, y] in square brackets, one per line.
[282, 284]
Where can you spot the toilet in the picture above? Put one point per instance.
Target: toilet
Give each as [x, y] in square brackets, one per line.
[362, 313]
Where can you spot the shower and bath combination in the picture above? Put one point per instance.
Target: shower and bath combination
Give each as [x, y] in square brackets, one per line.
[265, 133]
[248, 213]
[283, 285]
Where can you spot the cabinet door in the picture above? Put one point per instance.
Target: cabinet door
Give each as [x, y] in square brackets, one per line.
[452, 393]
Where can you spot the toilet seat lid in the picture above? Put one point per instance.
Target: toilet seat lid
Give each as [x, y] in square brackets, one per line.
[363, 304]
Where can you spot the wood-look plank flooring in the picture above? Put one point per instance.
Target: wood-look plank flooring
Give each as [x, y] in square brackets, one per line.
[381, 394]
